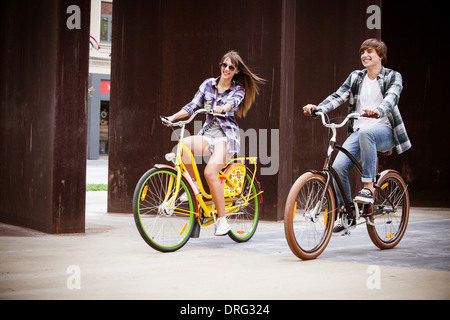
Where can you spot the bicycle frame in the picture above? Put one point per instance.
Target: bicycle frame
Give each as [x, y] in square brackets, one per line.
[329, 173]
[207, 208]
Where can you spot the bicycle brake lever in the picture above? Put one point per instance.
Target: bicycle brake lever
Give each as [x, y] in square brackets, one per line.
[165, 120]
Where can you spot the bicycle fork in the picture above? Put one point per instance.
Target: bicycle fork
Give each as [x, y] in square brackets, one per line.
[314, 213]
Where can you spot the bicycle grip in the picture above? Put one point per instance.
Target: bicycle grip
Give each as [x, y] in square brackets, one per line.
[211, 111]
[312, 114]
[165, 120]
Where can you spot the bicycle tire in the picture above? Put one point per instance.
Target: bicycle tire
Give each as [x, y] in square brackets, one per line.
[391, 206]
[161, 227]
[244, 222]
[307, 235]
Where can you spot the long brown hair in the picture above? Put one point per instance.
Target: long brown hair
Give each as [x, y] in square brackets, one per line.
[244, 78]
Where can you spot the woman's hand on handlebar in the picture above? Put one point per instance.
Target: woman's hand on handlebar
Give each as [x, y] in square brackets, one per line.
[308, 109]
[166, 121]
[179, 115]
[222, 109]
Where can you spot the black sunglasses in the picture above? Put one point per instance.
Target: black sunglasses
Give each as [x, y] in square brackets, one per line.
[229, 66]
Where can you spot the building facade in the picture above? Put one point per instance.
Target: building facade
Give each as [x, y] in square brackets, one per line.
[99, 78]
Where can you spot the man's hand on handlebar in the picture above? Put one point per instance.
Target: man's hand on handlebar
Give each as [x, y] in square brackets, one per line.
[371, 112]
[309, 109]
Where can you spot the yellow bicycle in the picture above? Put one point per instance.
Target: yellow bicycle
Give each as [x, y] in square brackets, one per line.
[169, 208]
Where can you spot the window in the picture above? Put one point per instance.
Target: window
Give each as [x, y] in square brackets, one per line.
[104, 127]
[106, 22]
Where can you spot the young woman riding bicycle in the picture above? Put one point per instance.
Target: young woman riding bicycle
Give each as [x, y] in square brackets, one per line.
[232, 92]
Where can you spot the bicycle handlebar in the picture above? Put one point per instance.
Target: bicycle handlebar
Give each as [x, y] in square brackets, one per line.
[199, 111]
[354, 115]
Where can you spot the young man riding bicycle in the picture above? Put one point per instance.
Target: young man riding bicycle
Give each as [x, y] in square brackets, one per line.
[375, 91]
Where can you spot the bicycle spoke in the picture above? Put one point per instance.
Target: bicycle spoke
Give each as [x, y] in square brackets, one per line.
[309, 226]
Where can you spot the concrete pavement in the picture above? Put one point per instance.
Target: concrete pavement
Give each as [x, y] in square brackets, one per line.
[97, 171]
[111, 261]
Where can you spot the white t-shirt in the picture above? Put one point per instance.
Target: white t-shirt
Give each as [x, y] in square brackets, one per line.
[370, 96]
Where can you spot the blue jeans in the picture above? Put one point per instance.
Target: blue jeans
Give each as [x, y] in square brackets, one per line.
[363, 144]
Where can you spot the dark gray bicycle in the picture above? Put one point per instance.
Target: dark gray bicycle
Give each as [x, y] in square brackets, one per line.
[310, 210]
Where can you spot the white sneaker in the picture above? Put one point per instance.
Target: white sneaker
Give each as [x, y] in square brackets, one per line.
[364, 196]
[222, 227]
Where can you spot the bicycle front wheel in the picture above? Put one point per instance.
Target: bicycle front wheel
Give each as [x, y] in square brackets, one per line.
[164, 220]
[244, 220]
[309, 219]
[389, 219]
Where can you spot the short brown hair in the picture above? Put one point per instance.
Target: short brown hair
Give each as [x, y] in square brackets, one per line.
[379, 46]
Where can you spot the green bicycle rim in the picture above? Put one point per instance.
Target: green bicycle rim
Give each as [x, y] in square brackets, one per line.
[191, 219]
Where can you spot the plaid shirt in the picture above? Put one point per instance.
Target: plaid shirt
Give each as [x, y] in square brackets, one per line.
[208, 95]
[391, 86]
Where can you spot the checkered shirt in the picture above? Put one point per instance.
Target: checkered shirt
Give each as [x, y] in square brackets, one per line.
[208, 95]
[391, 86]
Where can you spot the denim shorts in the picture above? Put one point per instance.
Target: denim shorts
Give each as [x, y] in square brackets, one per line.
[214, 135]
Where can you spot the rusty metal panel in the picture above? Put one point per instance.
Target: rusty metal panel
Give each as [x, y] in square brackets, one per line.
[416, 35]
[162, 51]
[327, 42]
[70, 119]
[304, 49]
[287, 106]
[43, 118]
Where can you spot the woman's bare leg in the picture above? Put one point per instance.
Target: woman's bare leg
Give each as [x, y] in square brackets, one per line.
[198, 146]
[215, 164]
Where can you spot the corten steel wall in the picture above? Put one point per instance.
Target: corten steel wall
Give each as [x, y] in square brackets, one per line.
[43, 89]
[163, 50]
[328, 39]
[417, 36]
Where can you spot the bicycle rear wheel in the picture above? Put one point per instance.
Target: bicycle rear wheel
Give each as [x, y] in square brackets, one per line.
[163, 222]
[308, 225]
[390, 211]
[244, 220]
